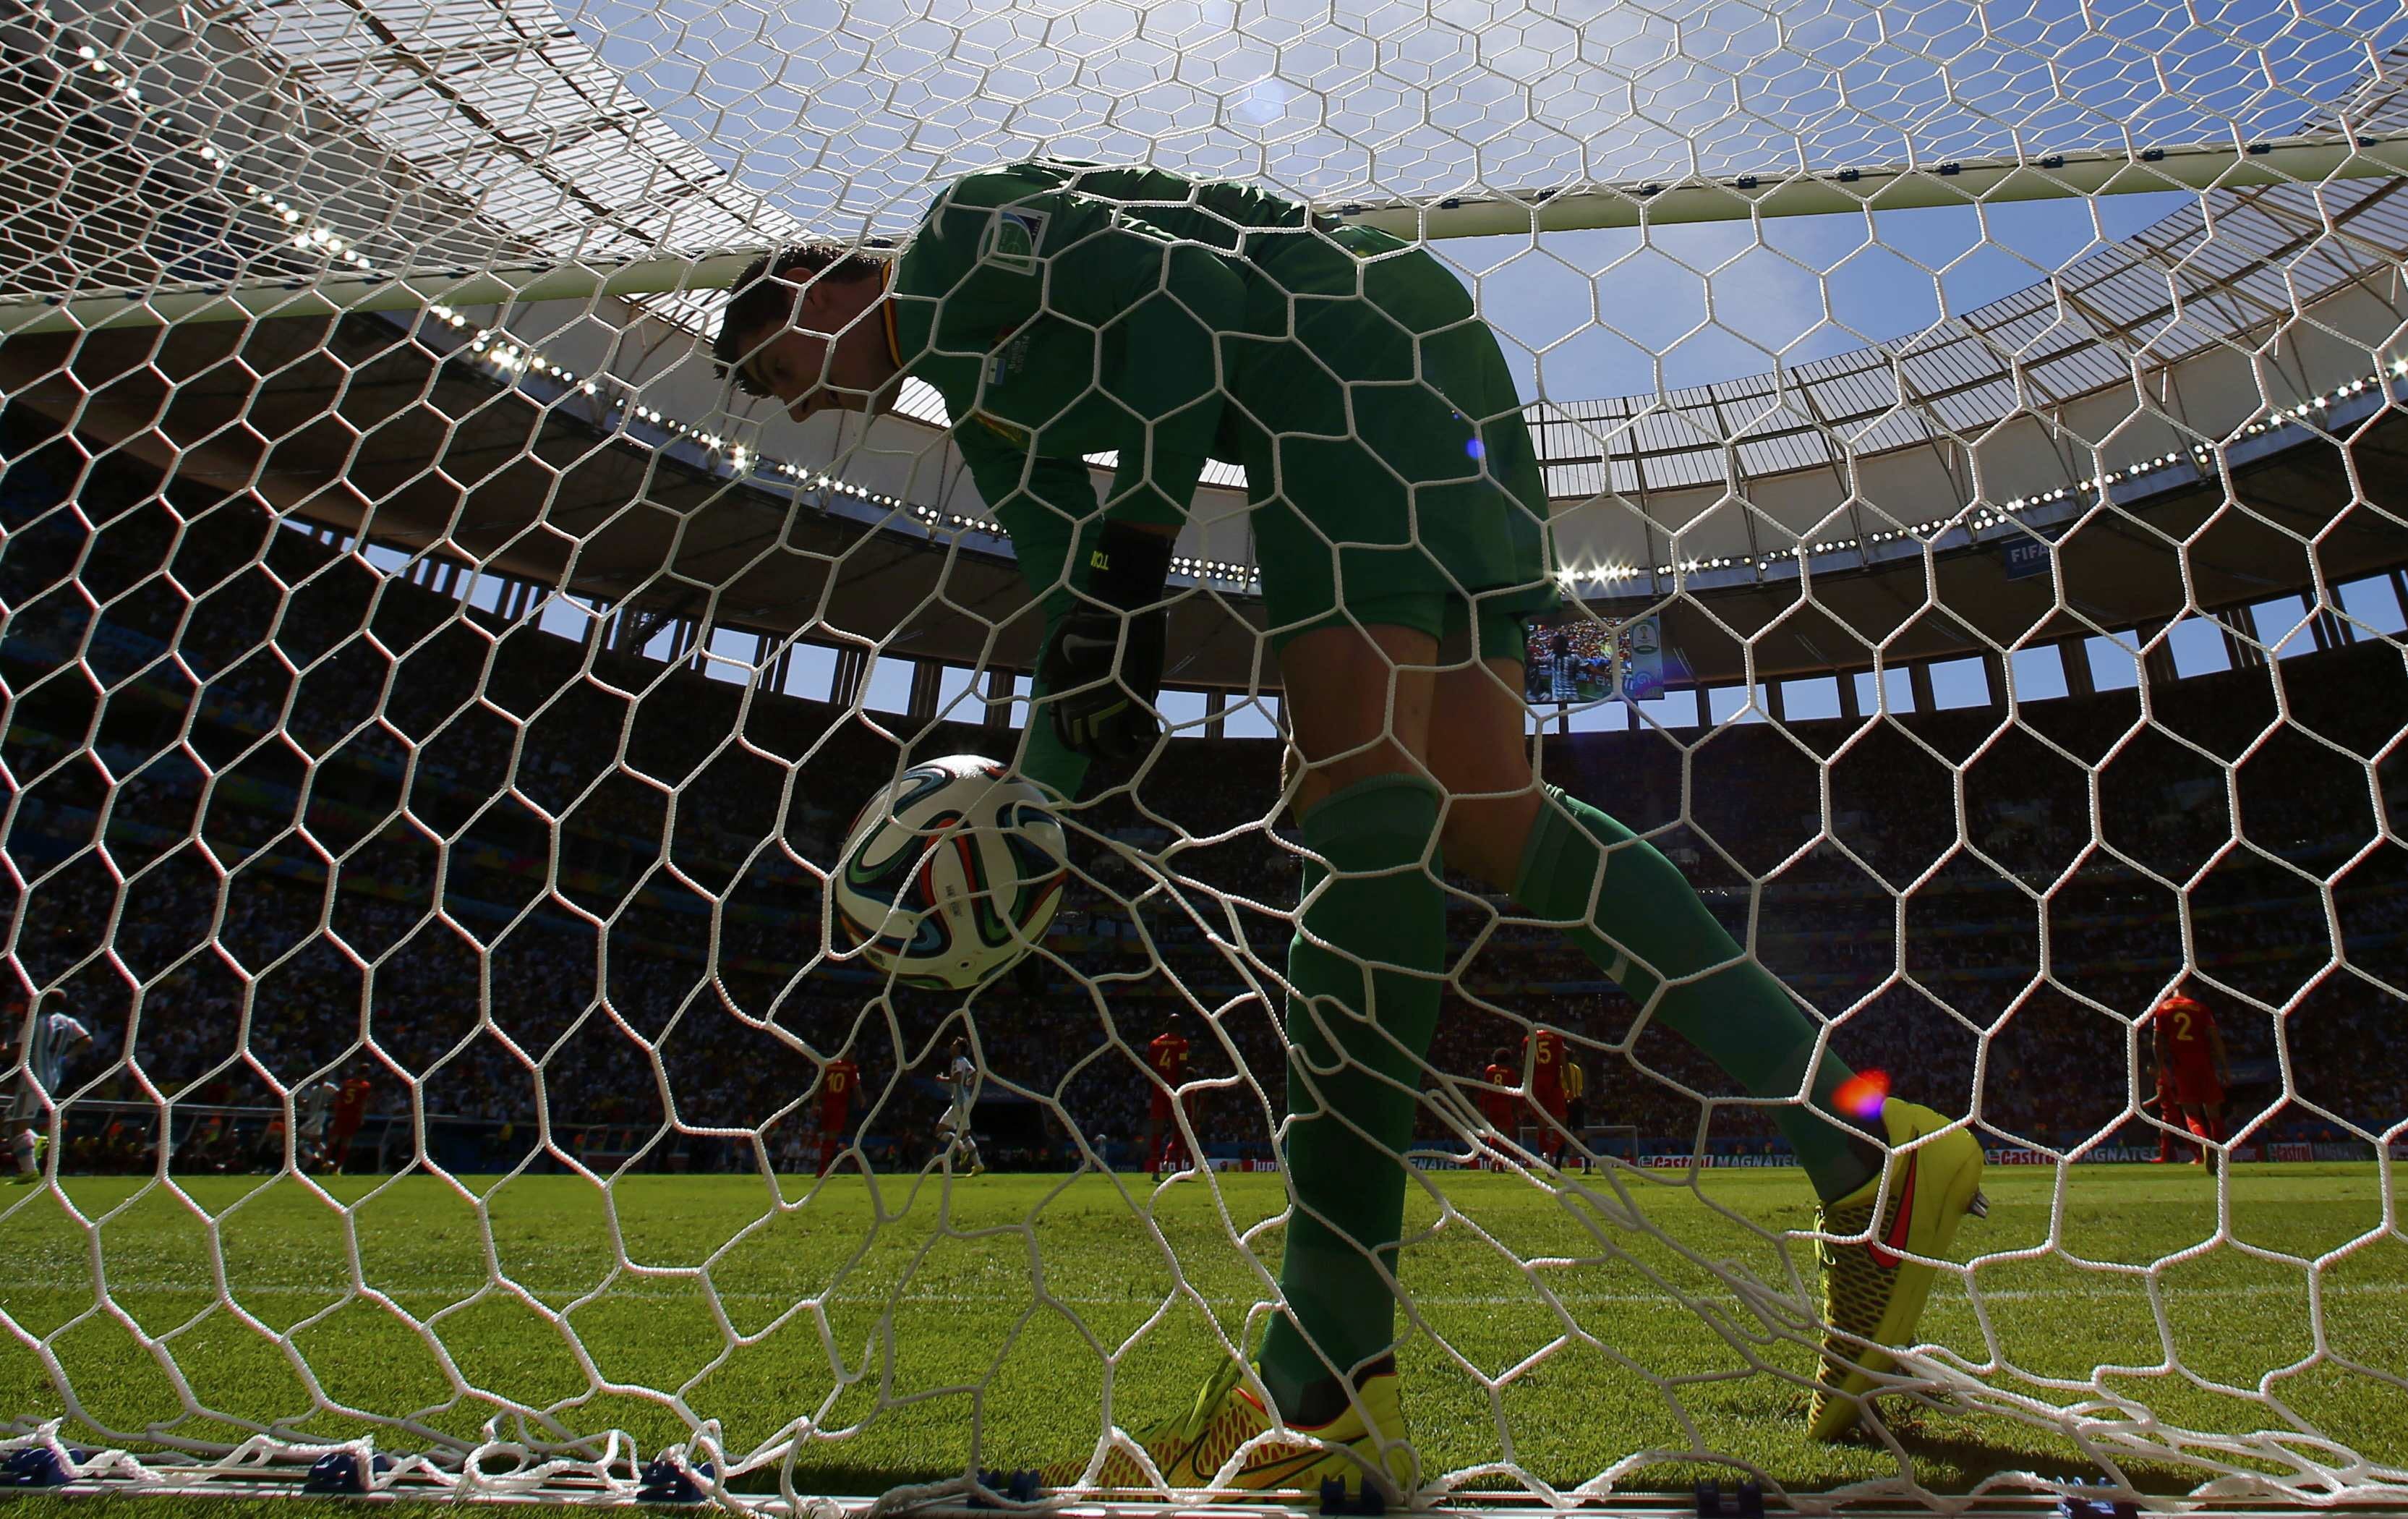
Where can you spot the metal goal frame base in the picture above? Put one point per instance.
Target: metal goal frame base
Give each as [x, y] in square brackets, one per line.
[506, 1475]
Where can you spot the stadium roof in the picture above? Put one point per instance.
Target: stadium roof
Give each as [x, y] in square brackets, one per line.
[488, 131]
[2168, 292]
[467, 132]
[555, 153]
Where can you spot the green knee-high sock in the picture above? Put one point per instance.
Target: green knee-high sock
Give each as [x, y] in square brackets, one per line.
[1581, 866]
[1352, 1085]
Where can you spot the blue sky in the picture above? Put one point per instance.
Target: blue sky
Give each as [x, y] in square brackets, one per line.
[1813, 286]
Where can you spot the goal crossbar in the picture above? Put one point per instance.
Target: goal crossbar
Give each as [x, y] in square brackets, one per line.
[1840, 191]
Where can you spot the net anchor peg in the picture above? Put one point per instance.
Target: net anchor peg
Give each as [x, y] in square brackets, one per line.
[1746, 1502]
[341, 1473]
[40, 1466]
[2076, 1506]
[667, 1480]
[1018, 1486]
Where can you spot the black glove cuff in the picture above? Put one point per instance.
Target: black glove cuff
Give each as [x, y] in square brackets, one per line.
[1128, 566]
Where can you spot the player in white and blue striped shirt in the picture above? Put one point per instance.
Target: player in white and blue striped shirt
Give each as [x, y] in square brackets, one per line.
[40, 1042]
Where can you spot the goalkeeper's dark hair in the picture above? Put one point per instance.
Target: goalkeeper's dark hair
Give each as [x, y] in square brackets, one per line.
[764, 294]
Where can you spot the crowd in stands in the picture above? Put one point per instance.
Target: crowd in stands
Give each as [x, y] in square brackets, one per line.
[278, 816]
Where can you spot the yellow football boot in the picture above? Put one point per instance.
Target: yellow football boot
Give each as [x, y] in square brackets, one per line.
[1870, 1293]
[1191, 1448]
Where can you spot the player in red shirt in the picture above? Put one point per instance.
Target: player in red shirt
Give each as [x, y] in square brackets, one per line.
[838, 1083]
[1498, 1106]
[1167, 1057]
[351, 1111]
[1546, 1047]
[2193, 1070]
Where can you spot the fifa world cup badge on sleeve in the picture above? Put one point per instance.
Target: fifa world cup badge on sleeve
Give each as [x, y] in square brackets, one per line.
[1014, 234]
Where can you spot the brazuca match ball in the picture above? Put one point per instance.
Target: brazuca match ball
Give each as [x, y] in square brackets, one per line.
[951, 874]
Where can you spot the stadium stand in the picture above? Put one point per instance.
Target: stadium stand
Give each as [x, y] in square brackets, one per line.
[563, 925]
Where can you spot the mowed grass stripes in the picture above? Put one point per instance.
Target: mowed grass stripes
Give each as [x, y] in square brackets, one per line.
[909, 1328]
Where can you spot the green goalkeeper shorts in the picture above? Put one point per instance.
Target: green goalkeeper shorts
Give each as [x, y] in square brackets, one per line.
[1392, 479]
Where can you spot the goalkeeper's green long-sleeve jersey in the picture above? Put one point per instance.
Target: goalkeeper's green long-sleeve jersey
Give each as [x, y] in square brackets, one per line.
[1065, 309]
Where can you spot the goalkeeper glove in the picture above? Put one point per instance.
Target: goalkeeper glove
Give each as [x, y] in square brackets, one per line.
[1102, 663]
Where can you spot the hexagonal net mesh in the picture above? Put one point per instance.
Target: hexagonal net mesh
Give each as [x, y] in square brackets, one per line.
[1706, 669]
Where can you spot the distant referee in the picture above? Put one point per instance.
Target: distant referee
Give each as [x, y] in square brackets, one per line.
[1575, 1097]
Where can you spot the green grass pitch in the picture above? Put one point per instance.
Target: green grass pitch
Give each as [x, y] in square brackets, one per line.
[903, 1320]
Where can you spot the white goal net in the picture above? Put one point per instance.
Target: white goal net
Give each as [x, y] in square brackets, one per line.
[439, 698]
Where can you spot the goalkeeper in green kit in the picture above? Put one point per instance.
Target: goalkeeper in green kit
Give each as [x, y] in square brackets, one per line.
[1399, 521]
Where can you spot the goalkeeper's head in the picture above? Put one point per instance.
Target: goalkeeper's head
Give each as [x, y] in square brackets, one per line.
[805, 324]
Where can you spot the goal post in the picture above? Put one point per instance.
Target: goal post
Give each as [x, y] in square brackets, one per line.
[1679, 203]
[556, 947]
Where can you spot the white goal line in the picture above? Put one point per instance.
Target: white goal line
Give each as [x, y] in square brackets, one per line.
[1947, 1291]
[1669, 203]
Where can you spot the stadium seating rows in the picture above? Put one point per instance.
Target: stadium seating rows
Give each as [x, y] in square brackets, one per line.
[580, 834]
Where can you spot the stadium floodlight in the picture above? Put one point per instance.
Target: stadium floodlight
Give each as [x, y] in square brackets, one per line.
[443, 697]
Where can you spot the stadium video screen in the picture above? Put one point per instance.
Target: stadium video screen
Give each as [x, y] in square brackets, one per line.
[1577, 660]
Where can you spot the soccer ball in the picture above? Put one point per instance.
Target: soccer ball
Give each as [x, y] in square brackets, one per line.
[951, 874]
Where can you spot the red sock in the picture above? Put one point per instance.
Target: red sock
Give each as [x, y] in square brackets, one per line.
[827, 1154]
[2166, 1145]
[2216, 1127]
